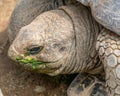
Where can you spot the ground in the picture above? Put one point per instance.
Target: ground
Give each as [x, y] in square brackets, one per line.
[6, 7]
[16, 81]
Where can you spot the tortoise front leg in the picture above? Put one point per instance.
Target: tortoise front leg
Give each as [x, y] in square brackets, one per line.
[108, 45]
[87, 85]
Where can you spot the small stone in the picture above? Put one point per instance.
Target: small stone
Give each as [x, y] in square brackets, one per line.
[117, 52]
[117, 90]
[111, 60]
[101, 51]
[118, 71]
[108, 51]
[39, 89]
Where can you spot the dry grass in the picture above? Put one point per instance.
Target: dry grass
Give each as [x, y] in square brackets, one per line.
[6, 7]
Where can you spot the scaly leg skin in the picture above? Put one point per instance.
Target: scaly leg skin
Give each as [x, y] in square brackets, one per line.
[87, 85]
[108, 45]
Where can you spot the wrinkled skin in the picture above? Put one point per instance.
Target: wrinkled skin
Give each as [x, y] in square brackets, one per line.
[60, 51]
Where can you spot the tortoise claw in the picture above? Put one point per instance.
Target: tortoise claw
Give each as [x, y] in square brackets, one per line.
[87, 85]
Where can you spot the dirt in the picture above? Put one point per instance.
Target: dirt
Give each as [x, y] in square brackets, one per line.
[6, 7]
[16, 81]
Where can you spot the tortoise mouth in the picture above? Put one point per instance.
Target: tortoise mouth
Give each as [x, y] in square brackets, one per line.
[32, 62]
[50, 68]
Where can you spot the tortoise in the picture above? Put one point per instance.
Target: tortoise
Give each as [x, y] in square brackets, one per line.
[50, 50]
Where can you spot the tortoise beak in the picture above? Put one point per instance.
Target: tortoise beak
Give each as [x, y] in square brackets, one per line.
[12, 53]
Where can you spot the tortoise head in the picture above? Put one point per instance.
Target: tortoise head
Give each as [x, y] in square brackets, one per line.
[45, 45]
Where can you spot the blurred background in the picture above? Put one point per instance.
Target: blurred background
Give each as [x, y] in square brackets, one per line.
[6, 8]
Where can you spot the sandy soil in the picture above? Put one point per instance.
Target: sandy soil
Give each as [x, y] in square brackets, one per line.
[15, 81]
[6, 7]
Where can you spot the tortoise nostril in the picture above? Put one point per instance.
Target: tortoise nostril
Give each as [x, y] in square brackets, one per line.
[34, 49]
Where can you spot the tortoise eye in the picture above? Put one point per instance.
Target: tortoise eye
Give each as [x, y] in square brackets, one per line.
[35, 49]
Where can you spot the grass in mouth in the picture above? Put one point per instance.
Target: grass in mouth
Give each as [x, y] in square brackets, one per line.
[29, 60]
